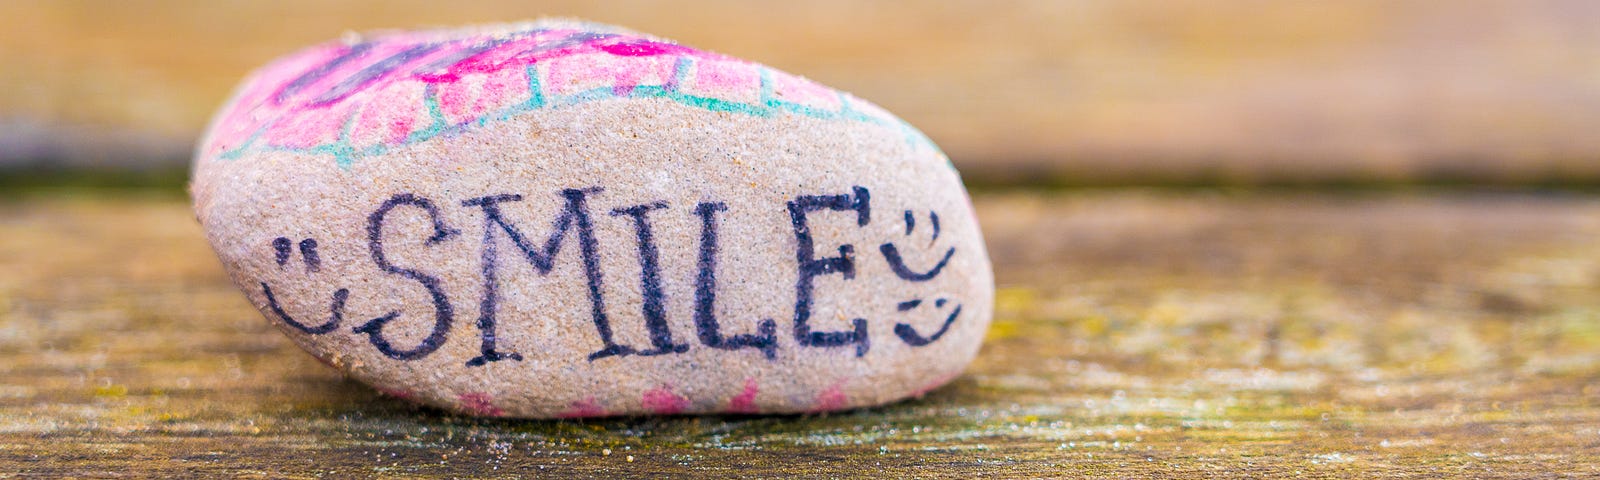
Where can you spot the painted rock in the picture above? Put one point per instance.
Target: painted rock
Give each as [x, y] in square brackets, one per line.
[562, 219]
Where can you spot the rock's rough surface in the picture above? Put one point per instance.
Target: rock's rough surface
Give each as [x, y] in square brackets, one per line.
[561, 219]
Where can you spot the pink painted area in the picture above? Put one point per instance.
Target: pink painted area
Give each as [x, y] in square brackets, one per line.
[662, 401]
[518, 52]
[374, 69]
[476, 95]
[584, 409]
[480, 404]
[580, 73]
[433, 71]
[392, 113]
[831, 399]
[733, 79]
[229, 134]
[311, 127]
[745, 401]
[642, 71]
[384, 99]
[641, 48]
[254, 106]
[280, 72]
[303, 95]
[472, 81]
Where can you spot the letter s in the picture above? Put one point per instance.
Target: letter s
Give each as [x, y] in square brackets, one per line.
[441, 304]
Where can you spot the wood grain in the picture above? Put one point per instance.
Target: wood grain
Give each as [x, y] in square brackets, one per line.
[1139, 333]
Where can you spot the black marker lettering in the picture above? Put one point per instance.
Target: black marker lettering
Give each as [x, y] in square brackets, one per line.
[576, 213]
[441, 304]
[655, 317]
[705, 295]
[811, 267]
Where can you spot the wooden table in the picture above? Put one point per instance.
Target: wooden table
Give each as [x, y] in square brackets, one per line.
[1165, 333]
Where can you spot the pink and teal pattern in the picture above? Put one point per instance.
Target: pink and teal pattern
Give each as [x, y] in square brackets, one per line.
[350, 100]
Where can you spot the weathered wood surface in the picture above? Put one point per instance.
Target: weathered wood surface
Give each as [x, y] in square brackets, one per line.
[1139, 333]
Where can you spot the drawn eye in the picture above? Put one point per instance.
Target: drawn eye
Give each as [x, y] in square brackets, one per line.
[283, 249]
[897, 261]
[933, 222]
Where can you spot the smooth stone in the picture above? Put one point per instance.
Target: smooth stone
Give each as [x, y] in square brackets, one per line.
[564, 219]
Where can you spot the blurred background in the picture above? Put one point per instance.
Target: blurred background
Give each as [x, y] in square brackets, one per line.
[1231, 238]
[1032, 91]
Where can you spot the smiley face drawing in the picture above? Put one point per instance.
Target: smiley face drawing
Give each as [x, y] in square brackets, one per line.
[283, 250]
[897, 263]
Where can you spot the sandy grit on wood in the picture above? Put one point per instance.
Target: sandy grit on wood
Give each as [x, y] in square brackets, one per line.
[562, 219]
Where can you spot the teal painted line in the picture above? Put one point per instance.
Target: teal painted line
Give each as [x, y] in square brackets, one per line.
[650, 91]
[430, 98]
[720, 105]
[849, 112]
[768, 106]
[586, 96]
[766, 86]
[240, 150]
[345, 153]
[378, 149]
[535, 99]
[805, 110]
[681, 74]
[535, 89]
